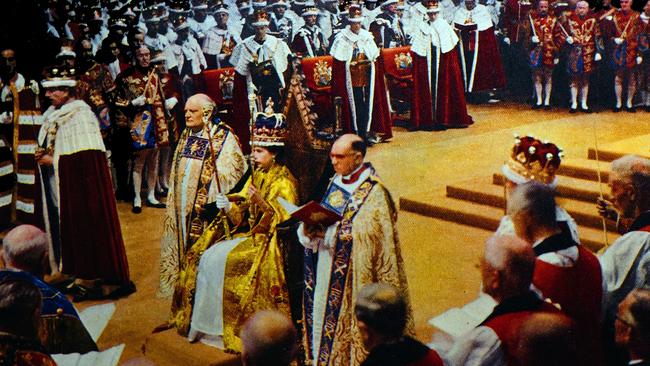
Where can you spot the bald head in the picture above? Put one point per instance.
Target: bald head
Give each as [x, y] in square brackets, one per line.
[25, 248]
[547, 339]
[201, 99]
[347, 154]
[268, 338]
[507, 266]
[195, 106]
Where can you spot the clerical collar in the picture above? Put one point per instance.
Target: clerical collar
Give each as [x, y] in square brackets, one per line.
[528, 301]
[352, 178]
[553, 243]
[641, 222]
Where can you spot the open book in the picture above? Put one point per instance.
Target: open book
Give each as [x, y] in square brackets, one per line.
[312, 213]
[458, 321]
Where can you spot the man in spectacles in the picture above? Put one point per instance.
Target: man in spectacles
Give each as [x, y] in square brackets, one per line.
[633, 326]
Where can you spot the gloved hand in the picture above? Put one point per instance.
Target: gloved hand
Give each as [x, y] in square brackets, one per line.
[618, 40]
[170, 103]
[222, 202]
[569, 40]
[6, 118]
[639, 60]
[598, 57]
[556, 61]
[506, 40]
[535, 39]
[139, 101]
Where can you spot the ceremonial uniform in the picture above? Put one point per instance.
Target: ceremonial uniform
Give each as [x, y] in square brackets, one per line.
[363, 248]
[388, 31]
[479, 55]
[218, 46]
[81, 218]
[96, 87]
[20, 120]
[309, 41]
[545, 45]
[358, 79]
[515, 26]
[259, 67]
[582, 55]
[623, 37]
[281, 28]
[438, 99]
[191, 188]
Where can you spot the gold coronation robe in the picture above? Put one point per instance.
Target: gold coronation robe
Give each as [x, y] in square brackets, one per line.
[192, 186]
[368, 230]
[241, 276]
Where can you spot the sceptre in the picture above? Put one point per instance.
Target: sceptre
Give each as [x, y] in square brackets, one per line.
[207, 114]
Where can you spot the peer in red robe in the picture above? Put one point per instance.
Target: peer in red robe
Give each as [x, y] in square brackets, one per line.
[438, 99]
[81, 215]
[358, 79]
[479, 54]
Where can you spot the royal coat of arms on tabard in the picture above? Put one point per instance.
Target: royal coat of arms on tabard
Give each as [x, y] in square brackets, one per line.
[322, 73]
[403, 61]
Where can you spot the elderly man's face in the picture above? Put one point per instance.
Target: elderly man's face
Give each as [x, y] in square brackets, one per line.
[194, 115]
[582, 9]
[470, 4]
[622, 196]
[344, 159]
[143, 56]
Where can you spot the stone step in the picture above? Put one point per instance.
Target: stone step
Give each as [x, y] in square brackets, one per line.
[569, 187]
[485, 193]
[484, 216]
[584, 169]
[639, 145]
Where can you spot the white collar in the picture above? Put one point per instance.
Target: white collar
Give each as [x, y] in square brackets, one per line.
[346, 177]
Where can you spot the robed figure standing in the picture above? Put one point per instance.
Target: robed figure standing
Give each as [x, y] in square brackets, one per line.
[479, 54]
[438, 99]
[208, 160]
[358, 79]
[363, 247]
[80, 211]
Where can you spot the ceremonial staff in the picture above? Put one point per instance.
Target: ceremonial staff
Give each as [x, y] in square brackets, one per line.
[207, 119]
[252, 100]
[600, 182]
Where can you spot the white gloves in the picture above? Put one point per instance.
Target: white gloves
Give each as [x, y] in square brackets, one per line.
[222, 202]
[6, 118]
[506, 40]
[535, 39]
[598, 57]
[170, 103]
[618, 40]
[569, 40]
[639, 60]
[556, 61]
[139, 101]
